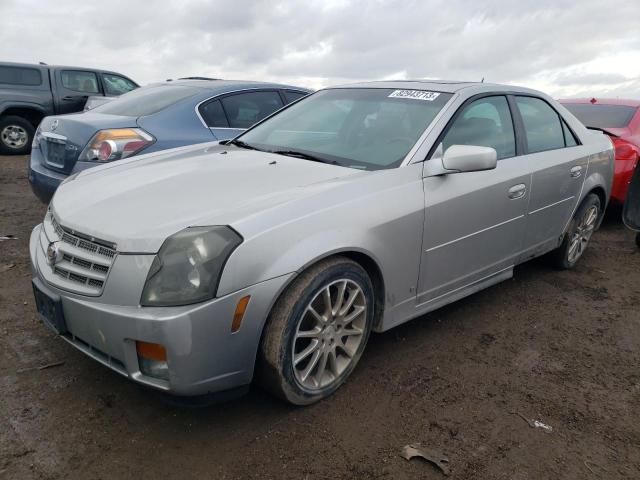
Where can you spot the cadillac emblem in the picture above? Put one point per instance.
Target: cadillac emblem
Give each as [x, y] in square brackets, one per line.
[54, 125]
[54, 255]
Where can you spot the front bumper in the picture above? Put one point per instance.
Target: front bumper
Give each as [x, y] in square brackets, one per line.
[202, 353]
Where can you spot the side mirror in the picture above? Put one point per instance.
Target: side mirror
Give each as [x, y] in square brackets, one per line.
[461, 158]
[469, 158]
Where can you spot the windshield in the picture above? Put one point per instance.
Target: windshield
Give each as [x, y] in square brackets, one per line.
[146, 100]
[365, 128]
[602, 116]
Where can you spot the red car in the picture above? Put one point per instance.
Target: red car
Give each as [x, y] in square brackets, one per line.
[620, 119]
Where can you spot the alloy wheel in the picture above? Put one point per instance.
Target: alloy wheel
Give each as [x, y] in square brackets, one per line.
[328, 335]
[582, 234]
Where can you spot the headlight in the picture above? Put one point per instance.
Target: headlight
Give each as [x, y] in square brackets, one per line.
[188, 266]
[115, 144]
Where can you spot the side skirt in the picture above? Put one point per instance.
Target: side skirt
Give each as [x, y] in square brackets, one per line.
[455, 295]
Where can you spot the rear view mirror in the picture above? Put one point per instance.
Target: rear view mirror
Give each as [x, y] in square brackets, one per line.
[469, 158]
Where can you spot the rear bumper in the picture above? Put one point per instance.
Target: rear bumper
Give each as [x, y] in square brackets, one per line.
[44, 181]
[202, 354]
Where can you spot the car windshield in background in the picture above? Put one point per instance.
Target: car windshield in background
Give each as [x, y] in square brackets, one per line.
[147, 100]
[602, 116]
[366, 128]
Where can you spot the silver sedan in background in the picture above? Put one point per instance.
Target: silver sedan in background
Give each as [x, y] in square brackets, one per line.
[353, 210]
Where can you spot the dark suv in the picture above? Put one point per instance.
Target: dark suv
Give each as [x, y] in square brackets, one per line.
[28, 93]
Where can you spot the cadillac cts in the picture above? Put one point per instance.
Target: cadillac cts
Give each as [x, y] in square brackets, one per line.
[276, 254]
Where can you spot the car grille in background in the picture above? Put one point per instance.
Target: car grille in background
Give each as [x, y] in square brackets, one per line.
[85, 262]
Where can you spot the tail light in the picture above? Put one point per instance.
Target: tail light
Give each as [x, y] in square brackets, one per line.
[624, 150]
[115, 144]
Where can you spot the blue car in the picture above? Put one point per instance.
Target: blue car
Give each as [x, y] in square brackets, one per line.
[149, 119]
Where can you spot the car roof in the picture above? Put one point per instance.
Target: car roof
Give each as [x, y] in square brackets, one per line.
[603, 101]
[224, 86]
[67, 67]
[445, 86]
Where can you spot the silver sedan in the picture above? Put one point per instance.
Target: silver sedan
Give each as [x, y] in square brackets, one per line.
[275, 255]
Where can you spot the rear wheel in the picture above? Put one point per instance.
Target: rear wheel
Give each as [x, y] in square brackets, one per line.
[16, 135]
[317, 332]
[579, 234]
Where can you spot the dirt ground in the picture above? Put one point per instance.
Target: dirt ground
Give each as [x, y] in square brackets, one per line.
[558, 347]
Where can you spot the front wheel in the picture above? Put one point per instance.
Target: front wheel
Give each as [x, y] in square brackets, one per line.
[317, 332]
[16, 135]
[581, 228]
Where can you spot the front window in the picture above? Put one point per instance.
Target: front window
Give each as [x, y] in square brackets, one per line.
[365, 128]
[602, 116]
[117, 85]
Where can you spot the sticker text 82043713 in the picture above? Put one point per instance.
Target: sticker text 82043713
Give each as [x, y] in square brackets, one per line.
[415, 95]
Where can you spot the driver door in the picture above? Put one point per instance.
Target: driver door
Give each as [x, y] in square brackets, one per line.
[475, 221]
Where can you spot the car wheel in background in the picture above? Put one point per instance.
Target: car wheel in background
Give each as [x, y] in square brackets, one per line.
[581, 228]
[16, 135]
[317, 332]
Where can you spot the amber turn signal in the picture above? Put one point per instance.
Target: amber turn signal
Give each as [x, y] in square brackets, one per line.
[239, 315]
[151, 351]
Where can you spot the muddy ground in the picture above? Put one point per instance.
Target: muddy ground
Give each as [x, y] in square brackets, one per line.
[558, 347]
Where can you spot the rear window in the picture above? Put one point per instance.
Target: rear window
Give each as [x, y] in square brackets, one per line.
[20, 76]
[147, 100]
[602, 116]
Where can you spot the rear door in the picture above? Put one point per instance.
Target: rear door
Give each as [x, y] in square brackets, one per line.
[558, 165]
[73, 87]
[229, 115]
[474, 222]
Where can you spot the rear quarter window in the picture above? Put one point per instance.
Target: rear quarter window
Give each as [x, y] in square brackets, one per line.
[20, 76]
[147, 100]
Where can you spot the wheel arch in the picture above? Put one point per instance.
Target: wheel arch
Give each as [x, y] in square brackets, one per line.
[362, 258]
[31, 113]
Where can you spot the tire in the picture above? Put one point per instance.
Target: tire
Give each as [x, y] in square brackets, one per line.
[16, 135]
[579, 233]
[293, 329]
[638, 240]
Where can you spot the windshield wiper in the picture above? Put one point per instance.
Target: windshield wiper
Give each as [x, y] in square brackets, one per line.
[305, 156]
[241, 144]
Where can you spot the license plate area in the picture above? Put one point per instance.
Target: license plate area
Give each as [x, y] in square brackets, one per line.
[55, 153]
[49, 309]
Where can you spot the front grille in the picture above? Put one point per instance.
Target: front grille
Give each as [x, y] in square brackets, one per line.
[77, 241]
[85, 261]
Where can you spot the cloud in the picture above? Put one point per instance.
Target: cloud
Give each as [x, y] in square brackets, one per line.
[559, 46]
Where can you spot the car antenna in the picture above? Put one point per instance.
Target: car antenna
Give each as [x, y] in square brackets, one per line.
[42, 63]
[482, 80]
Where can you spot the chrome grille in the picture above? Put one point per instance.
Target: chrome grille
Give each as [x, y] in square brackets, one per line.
[85, 261]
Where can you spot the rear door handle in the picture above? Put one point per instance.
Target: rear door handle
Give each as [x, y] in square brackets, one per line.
[576, 171]
[517, 191]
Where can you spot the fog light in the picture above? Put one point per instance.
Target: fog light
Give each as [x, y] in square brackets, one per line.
[152, 360]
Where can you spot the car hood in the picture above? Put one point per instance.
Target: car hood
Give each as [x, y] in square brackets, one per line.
[138, 203]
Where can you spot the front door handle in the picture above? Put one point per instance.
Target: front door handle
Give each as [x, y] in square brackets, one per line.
[517, 191]
[576, 171]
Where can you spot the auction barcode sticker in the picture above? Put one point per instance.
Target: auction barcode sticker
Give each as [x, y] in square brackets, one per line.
[415, 95]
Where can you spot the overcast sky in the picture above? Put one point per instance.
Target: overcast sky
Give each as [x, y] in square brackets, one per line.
[566, 48]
